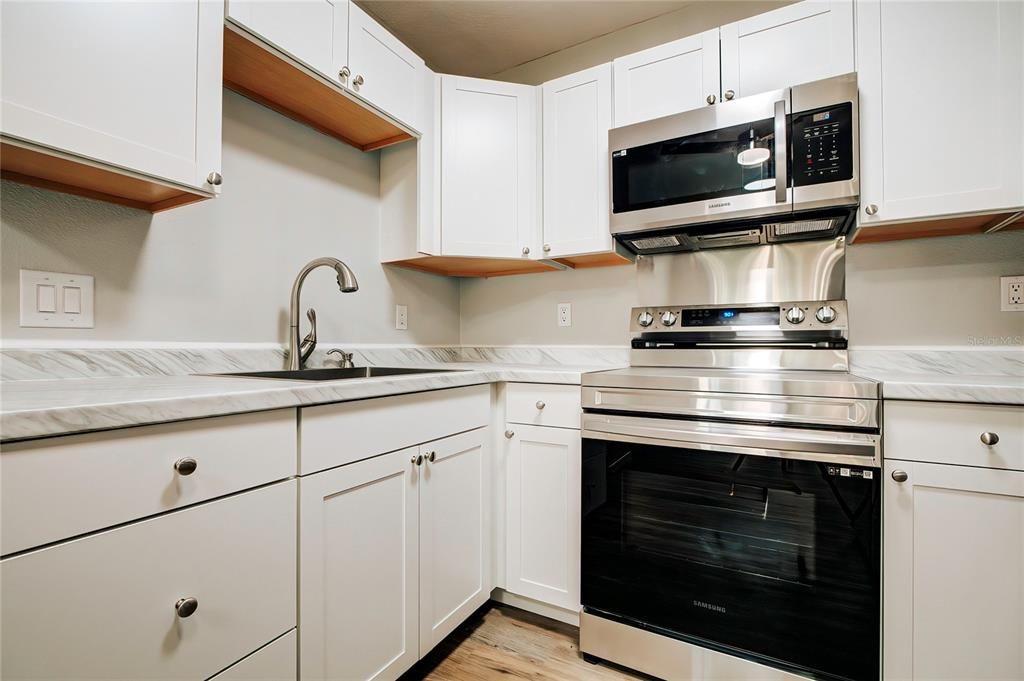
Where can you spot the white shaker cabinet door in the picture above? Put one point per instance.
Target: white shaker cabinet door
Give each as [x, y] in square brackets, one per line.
[954, 572]
[384, 71]
[358, 585]
[135, 85]
[455, 574]
[543, 514]
[667, 79]
[304, 29]
[795, 44]
[941, 105]
[489, 182]
[577, 114]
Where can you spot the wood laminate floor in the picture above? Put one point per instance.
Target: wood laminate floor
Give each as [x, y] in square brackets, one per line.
[500, 642]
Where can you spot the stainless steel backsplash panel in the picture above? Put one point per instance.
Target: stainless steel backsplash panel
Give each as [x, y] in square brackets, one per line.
[807, 270]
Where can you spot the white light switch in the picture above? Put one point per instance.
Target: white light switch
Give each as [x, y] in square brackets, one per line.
[401, 317]
[56, 299]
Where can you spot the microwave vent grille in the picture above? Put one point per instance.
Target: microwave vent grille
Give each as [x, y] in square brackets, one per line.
[650, 242]
[804, 226]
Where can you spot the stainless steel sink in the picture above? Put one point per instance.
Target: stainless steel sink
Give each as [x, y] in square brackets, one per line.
[336, 374]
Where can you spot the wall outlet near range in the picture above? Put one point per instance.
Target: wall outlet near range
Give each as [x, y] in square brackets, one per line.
[401, 317]
[565, 314]
[1011, 294]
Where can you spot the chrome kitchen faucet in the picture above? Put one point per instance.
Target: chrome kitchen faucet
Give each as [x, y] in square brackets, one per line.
[299, 351]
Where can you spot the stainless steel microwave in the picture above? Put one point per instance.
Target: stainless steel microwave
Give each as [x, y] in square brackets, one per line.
[777, 166]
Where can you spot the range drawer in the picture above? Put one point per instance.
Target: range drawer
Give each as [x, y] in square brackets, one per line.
[541, 404]
[936, 432]
[62, 487]
[104, 606]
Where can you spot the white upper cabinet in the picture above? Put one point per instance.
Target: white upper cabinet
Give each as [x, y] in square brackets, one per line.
[304, 29]
[136, 86]
[489, 183]
[384, 71]
[940, 108]
[577, 114]
[677, 76]
[795, 44]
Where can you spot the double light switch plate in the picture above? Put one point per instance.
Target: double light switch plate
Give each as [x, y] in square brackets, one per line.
[55, 299]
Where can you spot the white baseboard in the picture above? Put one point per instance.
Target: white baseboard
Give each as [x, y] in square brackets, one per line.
[536, 607]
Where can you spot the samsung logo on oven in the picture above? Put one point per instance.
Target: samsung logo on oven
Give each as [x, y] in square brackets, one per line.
[716, 205]
[709, 606]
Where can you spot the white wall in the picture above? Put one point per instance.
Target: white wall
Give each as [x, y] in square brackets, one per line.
[222, 270]
[924, 292]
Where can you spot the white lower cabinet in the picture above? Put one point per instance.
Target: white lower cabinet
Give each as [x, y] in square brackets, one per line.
[273, 662]
[394, 554]
[954, 572]
[543, 514]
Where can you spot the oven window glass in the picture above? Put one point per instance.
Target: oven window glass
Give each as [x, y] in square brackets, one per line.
[772, 559]
[725, 162]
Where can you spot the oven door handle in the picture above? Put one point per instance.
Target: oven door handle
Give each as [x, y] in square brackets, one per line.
[781, 152]
[855, 449]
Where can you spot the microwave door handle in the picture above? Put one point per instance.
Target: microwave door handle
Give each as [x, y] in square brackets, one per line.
[781, 152]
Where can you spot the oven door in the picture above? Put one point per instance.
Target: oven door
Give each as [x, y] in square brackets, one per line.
[761, 549]
[716, 163]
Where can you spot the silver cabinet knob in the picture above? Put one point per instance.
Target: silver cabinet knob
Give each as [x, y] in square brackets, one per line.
[989, 438]
[344, 73]
[645, 318]
[186, 466]
[185, 607]
[358, 80]
[540, 404]
[431, 456]
[826, 314]
[417, 460]
[794, 315]
[526, 250]
[899, 476]
[712, 99]
[215, 179]
[871, 209]
[547, 248]
[729, 94]
[510, 434]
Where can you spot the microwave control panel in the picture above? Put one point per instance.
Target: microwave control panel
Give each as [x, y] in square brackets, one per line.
[823, 145]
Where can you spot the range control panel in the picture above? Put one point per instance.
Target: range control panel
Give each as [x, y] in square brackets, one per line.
[811, 315]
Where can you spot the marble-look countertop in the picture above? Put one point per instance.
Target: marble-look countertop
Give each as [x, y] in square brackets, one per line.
[41, 408]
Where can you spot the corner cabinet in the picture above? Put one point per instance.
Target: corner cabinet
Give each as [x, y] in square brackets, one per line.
[314, 32]
[941, 105]
[114, 101]
[394, 554]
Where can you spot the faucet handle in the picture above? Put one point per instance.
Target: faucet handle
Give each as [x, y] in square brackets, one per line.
[345, 360]
[309, 342]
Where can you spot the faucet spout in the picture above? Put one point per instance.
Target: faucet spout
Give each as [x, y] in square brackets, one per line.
[347, 283]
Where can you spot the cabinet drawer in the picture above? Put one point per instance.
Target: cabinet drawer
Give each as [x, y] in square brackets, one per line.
[276, 661]
[103, 606]
[337, 434]
[936, 432]
[62, 487]
[543, 405]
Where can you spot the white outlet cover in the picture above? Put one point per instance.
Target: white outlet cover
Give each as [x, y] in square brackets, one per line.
[43, 306]
[401, 317]
[1011, 294]
[565, 314]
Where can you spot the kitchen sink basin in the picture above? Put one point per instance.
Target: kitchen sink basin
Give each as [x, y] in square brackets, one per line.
[336, 374]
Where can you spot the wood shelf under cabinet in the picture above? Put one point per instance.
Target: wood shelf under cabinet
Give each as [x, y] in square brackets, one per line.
[269, 78]
[455, 266]
[948, 226]
[60, 173]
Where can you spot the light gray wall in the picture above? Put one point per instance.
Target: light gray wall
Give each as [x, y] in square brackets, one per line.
[924, 292]
[689, 20]
[221, 270]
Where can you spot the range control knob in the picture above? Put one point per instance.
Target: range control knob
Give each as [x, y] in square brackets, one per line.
[668, 318]
[826, 314]
[794, 315]
[645, 318]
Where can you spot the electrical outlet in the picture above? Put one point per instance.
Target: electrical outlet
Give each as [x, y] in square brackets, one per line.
[401, 317]
[1011, 294]
[565, 314]
[56, 299]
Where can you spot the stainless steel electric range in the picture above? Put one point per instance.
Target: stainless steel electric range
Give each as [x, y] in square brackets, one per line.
[731, 494]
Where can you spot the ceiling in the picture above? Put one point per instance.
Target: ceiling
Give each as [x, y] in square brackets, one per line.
[485, 37]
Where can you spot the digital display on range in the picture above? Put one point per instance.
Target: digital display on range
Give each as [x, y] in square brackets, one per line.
[761, 316]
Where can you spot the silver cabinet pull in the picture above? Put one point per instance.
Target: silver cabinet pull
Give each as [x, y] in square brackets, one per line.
[899, 476]
[989, 438]
[358, 80]
[871, 209]
[431, 456]
[186, 466]
[215, 179]
[729, 94]
[781, 152]
[344, 73]
[510, 434]
[547, 248]
[526, 250]
[711, 99]
[185, 607]
[418, 460]
[540, 404]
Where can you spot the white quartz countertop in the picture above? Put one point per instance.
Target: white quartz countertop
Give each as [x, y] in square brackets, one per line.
[41, 408]
[985, 389]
